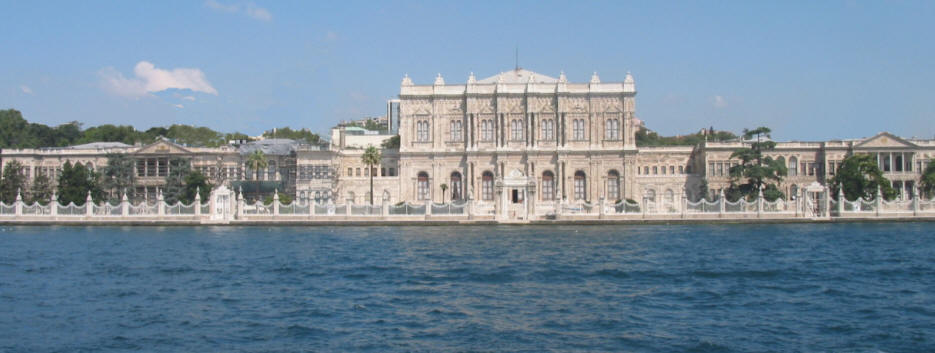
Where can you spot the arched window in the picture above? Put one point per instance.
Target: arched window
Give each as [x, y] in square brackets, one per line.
[456, 186]
[487, 186]
[670, 196]
[516, 130]
[548, 186]
[793, 166]
[580, 186]
[613, 185]
[422, 186]
[649, 195]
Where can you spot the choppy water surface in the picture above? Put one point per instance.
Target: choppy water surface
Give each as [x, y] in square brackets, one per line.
[835, 287]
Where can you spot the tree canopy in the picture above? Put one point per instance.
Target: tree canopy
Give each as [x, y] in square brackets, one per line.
[860, 176]
[304, 135]
[16, 132]
[928, 179]
[75, 182]
[756, 172]
[648, 138]
[12, 183]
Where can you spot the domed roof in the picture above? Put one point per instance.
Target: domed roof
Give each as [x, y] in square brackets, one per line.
[519, 76]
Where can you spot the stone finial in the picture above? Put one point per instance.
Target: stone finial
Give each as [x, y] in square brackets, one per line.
[89, 195]
[19, 197]
[406, 81]
[54, 196]
[500, 78]
[595, 78]
[532, 78]
[276, 194]
[439, 80]
[124, 198]
[471, 78]
[198, 193]
[562, 78]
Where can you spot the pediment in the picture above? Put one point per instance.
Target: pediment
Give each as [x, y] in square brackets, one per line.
[163, 147]
[885, 140]
[422, 111]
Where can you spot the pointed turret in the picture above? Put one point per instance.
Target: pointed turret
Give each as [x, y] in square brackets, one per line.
[406, 81]
[472, 79]
[439, 80]
[562, 78]
[629, 85]
[595, 79]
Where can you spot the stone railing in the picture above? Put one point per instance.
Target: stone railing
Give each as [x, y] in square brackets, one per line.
[235, 210]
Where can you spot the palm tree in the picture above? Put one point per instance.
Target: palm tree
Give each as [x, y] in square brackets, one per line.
[444, 187]
[257, 161]
[371, 158]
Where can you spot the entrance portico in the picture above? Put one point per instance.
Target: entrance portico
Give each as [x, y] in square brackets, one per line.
[515, 191]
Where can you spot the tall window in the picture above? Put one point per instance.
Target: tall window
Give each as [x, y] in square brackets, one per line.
[580, 186]
[487, 186]
[613, 185]
[793, 166]
[577, 131]
[548, 129]
[456, 186]
[548, 186]
[422, 131]
[486, 130]
[516, 130]
[456, 130]
[422, 186]
[612, 129]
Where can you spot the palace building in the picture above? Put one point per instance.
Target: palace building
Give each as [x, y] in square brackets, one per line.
[518, 145]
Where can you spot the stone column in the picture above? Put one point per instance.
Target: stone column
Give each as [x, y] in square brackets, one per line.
[722, 206]
[600, 208]
[469, 206]
[161, 203]
[915, 201]
[879, 200]
[428, 207]
[347, 207]
[197, 202]
[385, 207]
[684, 203]
[89, 205]
[240, 203]
[826, 203]
[18, 204]
[125, 205]
[276, 202]
[841, 200]
[53, 204]
[759, 203]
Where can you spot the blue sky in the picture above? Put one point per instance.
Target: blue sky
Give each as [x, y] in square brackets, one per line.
[811, 70]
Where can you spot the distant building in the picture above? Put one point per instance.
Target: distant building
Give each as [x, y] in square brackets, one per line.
[511, 143]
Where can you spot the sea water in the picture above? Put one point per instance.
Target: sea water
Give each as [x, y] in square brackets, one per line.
[861, 287]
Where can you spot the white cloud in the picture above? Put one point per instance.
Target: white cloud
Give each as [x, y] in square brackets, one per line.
[246, 8]
[149, 79]
[25, 89]
[331, 36]
[189, 98]
[178, 106]
[720, 102]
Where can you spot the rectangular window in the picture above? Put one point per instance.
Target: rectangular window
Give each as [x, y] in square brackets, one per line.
[350, 172]
[681, 169]
[711, 168]
[456, 130]
[672, 169]
[516, 130]
[612, 129]
[578, 129]
[548, 129]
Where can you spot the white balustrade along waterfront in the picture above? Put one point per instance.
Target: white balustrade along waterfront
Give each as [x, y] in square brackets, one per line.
[227, 207]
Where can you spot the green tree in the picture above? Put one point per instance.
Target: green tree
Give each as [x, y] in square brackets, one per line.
[756, 172]
[391, 143]
[928, 179]
[304, 135]
[179, 168]
[110, 133]
[41, 189]
[75, 183]
[196, 182]
[119, 177]
[195, 135]
[257, 161]
[860, 176]
[371, 157]
[283, 199]
[12, 183]
[648, 138]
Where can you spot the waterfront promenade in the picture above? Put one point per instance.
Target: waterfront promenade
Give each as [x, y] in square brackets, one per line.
[226, 207]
